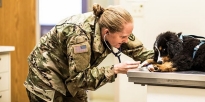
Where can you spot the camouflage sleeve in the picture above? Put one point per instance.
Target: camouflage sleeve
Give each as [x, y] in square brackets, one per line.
[82, 76]
[135, 49]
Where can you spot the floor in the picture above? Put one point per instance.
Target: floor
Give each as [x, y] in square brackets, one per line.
[100, 100]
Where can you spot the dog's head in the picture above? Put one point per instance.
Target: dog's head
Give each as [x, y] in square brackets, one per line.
[166, 46]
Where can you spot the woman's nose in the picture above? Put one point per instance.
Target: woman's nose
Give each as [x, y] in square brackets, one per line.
[125, 41]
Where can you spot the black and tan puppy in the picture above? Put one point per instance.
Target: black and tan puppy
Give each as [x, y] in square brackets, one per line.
[175, 52]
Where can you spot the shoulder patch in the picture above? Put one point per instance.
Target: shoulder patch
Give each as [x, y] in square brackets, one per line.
[80, 48]
[131, 37]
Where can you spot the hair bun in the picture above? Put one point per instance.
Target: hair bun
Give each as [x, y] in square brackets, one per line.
[98, 10]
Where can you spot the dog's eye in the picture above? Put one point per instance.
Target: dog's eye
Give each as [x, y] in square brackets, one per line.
[163, 50]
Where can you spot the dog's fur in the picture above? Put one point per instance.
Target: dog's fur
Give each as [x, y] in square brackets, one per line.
[177, 54]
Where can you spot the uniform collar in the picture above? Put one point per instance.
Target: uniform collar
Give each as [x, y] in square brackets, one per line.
[98, 45]
[94, 31]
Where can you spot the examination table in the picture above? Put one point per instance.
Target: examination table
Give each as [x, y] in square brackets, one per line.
[184, 86]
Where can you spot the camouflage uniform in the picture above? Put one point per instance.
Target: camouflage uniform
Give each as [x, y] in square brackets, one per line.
[64, 64]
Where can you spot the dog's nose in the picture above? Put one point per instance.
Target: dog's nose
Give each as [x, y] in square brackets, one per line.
[159, 62]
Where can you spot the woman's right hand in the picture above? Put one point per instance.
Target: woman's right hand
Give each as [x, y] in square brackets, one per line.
[125, 66]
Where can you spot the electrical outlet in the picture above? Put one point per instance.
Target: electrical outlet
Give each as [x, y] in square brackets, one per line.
[137, 9]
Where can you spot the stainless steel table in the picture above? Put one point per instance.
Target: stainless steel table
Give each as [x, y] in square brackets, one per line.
[194, 79]
[184, 86]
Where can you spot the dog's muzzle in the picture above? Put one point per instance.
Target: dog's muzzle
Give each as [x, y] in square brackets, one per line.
[159, 59]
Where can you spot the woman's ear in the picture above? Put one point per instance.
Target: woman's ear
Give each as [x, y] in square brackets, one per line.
[105, 31]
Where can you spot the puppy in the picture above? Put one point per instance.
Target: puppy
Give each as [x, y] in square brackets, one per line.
[175, 52]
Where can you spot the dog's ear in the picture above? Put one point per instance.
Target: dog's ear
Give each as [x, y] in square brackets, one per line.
[174, 47]
[179, 34]
[156, 53]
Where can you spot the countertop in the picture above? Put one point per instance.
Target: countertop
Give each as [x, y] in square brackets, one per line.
[6, 48]
[194, 79]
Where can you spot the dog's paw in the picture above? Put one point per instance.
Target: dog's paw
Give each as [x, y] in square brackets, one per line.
[168, 70]
[162, 68]
[156, 69]
[165, 69]
[153, 68]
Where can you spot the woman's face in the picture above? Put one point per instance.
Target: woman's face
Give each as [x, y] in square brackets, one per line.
[117, 38]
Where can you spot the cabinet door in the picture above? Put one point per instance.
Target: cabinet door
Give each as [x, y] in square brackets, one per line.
[4, 96]
[4, 81]
[4, 62]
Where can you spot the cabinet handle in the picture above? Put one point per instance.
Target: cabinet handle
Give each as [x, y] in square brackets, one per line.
[0, 58]
[0, 77]
[0, 96]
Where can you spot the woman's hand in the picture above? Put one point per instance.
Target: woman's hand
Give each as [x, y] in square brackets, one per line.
[125, 66]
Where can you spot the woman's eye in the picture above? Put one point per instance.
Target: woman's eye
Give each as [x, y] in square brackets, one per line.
[123, 37]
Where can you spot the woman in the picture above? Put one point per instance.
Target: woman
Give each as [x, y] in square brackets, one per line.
[64, 64]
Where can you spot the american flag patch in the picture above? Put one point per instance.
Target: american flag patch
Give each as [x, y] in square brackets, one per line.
[80, 48]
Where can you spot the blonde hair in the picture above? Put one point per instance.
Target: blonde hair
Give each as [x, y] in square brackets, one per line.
[112, 18]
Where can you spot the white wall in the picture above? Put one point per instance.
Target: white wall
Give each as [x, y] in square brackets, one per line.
[53, 11]
[186, 16]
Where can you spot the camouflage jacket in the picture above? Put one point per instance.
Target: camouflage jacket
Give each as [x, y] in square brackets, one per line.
[67, 57]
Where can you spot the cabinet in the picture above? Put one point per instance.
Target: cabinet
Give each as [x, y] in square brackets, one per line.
[5, 73]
